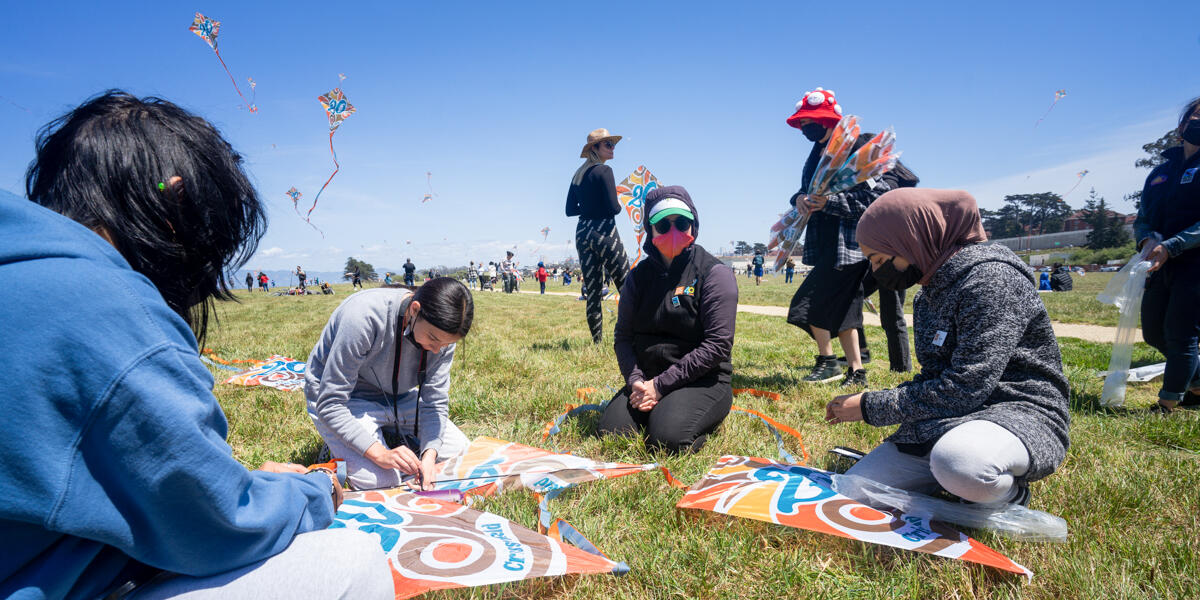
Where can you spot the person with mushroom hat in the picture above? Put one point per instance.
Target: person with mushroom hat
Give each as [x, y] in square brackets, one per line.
[988, 412]
[829, 301]
[674, 333]
[593, 198]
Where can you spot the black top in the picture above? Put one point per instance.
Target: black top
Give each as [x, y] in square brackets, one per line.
[1171, 197]
[596, 195]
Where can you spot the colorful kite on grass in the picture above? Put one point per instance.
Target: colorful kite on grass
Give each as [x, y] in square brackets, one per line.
[279, 372]
[841, 167]
[1080, 175]
[337, 109]
[1057, 96]
[207, 29]
[802, 497]
[631, 193]
[433, 544]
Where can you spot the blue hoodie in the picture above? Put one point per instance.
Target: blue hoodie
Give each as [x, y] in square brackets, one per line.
[112, 446]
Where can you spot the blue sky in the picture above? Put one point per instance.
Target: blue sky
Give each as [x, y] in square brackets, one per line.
[495, 100]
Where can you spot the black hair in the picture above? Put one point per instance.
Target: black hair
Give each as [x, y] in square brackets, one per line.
[1188, 110]
[110, 162]
[446, 304]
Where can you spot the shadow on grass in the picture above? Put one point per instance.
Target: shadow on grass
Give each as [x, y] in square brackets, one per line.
[565, 344]
[307, 454]
[775, 382]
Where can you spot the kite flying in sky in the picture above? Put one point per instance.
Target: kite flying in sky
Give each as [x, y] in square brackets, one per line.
[1078, 181]
[545, 233]
[1057, 96]
[207, 29]
[338, 109]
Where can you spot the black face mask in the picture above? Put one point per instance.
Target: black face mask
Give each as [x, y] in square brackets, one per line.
[1191, 133]
[813, 131]
[891, 278]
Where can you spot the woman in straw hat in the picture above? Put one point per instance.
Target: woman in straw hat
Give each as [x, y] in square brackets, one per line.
[593, 198]
[988, 412]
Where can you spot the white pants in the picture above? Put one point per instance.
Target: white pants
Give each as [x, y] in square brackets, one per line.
[977, 461]
[364, 474]
[331, 563]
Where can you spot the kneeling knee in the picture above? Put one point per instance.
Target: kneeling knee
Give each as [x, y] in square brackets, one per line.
[969, 476]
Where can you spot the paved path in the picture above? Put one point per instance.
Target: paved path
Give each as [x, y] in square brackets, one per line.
[1091, 333]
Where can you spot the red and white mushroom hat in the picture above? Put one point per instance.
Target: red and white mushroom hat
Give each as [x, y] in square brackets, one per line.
[818, 105]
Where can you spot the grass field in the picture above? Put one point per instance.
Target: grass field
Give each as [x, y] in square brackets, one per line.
[1127, 489]
[1076, 306]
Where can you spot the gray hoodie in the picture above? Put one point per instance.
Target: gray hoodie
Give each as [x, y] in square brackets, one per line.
[354, 358]
[987, 351]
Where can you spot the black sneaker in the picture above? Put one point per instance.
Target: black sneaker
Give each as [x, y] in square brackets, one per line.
[855, 379]
[825, 370]
[1161, 409]
[1190, 400]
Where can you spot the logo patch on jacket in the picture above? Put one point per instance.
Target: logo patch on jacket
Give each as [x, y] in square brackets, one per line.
[689, 290]
[1188, 175]
[1157, 180]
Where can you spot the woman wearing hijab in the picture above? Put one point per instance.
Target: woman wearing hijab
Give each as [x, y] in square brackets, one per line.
[378, 381]
[1169, 220]
[987, 414]
[674, 333]
[593, 198]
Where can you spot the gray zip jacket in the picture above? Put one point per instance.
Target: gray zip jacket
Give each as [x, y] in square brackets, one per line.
[354, 359]
[988, 352]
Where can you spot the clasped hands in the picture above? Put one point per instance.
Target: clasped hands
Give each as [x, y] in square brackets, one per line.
[643, 395]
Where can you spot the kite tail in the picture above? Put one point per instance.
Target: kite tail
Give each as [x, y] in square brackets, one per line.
[233, 81]
[336, 167]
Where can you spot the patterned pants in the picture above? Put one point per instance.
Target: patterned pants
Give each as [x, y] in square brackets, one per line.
[603, 259]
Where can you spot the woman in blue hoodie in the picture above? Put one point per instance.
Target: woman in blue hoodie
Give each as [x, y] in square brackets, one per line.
[674, 333]
[114, 469]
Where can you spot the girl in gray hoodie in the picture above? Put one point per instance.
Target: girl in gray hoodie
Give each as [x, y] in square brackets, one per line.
[988, 412]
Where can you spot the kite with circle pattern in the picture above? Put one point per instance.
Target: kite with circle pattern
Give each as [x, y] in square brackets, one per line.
[803, 498]
[631, 193]
[434, 544]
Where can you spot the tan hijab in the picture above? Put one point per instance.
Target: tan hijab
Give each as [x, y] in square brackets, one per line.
[924, 226]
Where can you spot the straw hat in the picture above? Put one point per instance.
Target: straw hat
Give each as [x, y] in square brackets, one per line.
[595, 137]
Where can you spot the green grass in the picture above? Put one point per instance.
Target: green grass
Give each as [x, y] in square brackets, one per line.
[1127, 488]
[1076, 306]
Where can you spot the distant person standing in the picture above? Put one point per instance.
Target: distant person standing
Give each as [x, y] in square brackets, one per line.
[410, 272]
[387, 279]
[263, 281]
[472, 275]
[757, 261]
[789, 270]
[355, 278]
[593, 198]
[507, 272]
[249, 282]
[302, 276]
[542, 275]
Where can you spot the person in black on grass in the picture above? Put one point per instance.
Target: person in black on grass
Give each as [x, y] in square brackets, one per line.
[674, 333]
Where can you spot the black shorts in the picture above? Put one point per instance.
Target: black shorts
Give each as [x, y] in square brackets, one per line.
[830, 298]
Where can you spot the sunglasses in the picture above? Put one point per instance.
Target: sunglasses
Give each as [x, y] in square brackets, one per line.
[607, 144]
[681, 224]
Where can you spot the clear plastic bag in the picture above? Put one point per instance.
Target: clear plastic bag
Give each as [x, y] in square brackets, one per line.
[1124, 292]
[1011, 520]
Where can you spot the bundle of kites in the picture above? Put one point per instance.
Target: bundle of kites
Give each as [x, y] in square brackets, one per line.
[841, 167]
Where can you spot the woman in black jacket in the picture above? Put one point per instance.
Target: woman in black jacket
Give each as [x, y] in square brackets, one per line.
[593, 198]
[674, 333]
[1169, 219]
